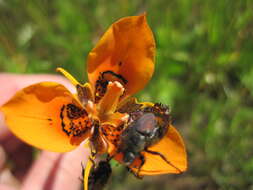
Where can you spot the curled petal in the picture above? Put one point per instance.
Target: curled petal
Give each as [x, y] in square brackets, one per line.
[125, 53]
[43, 115]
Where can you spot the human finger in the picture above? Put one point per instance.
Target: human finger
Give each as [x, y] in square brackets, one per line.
[53, 171]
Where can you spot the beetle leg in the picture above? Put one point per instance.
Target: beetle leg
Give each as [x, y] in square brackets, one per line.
[137, 174]
[142, 158]
[134, 173]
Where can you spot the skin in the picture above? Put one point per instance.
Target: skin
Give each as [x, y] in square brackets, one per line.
[51, 171]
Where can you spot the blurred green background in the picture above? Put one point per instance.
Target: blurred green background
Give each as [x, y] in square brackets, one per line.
[204, 71]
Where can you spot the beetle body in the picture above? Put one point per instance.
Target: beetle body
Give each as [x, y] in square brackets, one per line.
[138, 136]
[146, 127]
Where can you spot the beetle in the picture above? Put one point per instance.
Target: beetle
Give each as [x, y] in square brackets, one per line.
[143, 145]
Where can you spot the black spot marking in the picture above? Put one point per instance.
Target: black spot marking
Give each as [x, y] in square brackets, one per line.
[115, 75]
[63, 125]
[61, 113]
[75, 112]
[70, 116]
[80, 130]
[103, 81]
[119, 128]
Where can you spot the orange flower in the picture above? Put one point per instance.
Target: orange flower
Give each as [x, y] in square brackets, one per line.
[47, 116]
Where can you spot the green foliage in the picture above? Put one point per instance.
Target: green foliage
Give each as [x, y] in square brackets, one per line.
[204, 71]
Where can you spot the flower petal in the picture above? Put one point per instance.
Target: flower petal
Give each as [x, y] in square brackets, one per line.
[172, 148]
[43, 115]
[125, 53]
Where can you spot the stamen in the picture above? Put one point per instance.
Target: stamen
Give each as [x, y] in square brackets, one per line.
[68, 76]
[84, 93]
[109, 102]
